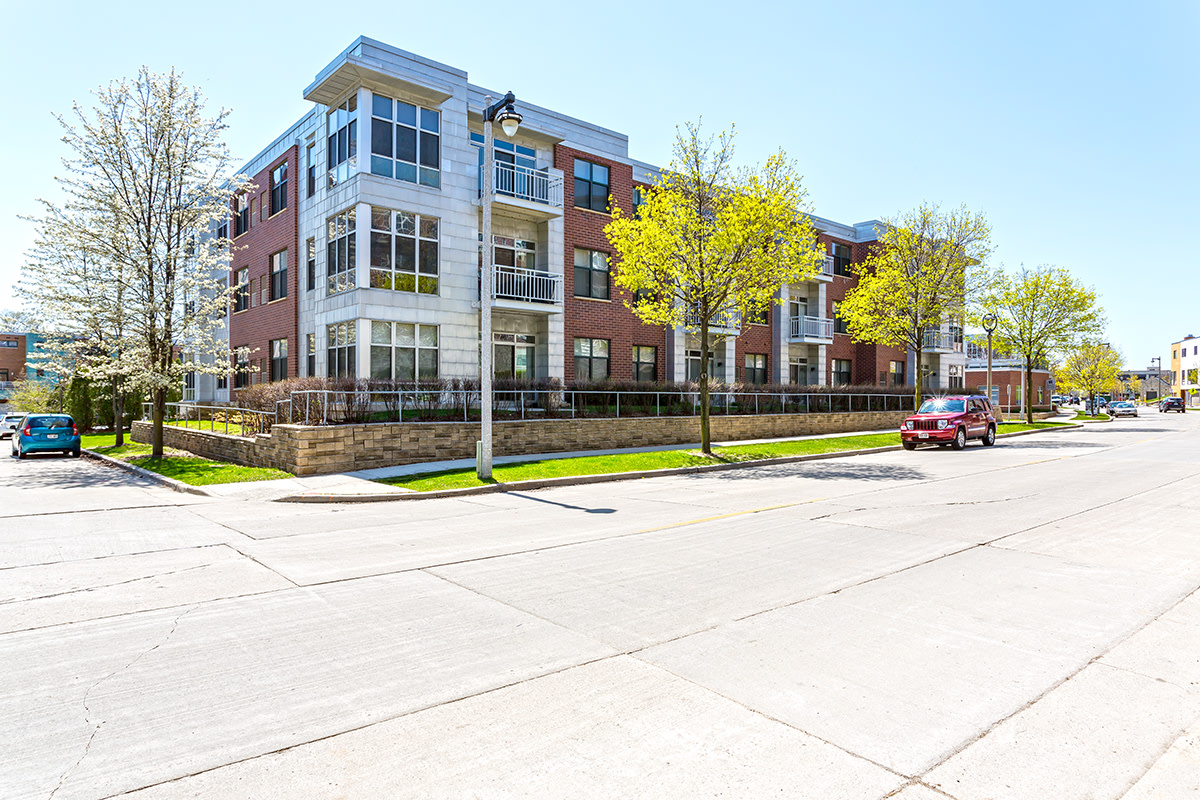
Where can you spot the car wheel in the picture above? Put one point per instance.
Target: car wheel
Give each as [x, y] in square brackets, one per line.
[20, 453]
[960, 439]
[76, 453]
[909, 445]
[989, 438]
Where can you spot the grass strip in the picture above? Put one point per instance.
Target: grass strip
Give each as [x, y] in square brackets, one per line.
[179, 464]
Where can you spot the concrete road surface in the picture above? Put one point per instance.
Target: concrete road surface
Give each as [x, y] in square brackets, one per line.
[1019, 621]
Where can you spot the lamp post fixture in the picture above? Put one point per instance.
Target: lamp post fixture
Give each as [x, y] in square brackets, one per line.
[989, 325]
[504, 113]
[1158, 376]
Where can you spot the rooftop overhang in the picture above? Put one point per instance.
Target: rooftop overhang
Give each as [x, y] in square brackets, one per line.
[352, 71]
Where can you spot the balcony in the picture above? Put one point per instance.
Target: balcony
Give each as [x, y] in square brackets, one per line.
[725, 322]
[810, 329]
[938, 342]
[826, 270]
[523, 289]
[531, 193]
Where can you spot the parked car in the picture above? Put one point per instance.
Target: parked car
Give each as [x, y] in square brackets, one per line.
[1122, 409]
[47, 433]
[950, 420]
[1171, 404]
[8, 424]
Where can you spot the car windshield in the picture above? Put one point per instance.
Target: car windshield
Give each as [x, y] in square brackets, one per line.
[941, 405]
[49, 422]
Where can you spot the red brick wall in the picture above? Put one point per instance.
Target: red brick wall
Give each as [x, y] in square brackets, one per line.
[867, 361]
[12, 359]
[1009, 383]
[258, 325]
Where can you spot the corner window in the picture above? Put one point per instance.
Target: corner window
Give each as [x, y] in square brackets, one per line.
[841, 372]
[403, 351]
[405, 141]
[591, 359]
[279, 356]
[756, 368]
[841, 260]
[340, 252]
[279, 183]
[591, 185]
[340, 349]
[591, 274]
[404, 251]
[341, 126]
[645, 364]
[279, 275]
[241, 289]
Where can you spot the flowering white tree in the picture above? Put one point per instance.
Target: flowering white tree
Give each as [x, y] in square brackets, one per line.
[125, 270]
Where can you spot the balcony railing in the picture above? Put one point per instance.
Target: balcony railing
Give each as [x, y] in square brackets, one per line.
[523, 183]
[938, 340]
[726, 320]
[526, 285]
[827, 267]
[803, 328]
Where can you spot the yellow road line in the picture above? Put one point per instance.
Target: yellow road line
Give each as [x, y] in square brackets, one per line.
[727, 516]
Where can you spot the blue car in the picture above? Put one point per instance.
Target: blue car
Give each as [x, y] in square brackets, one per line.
[44, 433]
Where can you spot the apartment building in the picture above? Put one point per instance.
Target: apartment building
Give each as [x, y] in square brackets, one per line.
[358, 254]
[1185, 369]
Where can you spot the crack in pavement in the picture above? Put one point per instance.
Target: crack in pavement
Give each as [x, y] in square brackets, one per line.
[87, 712]
[103, 585]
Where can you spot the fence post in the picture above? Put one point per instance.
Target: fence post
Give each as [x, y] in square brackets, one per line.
[618, 405]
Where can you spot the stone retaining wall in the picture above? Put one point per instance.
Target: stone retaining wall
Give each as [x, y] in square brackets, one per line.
[316, 450]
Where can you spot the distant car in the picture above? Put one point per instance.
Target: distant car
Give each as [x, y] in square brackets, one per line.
[950, 421]
[8, 424]
[1171, 404]
[46, 433]
[1057, 400]
[1122, 409]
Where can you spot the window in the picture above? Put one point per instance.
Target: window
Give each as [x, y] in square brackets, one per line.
[404, 352]
[895, 373]
[760, 316]
[241, 357]
[798, 370]
[513, 355]
[756, 368]
[223, 230]
[404, 251]
[841, 260]
[516, 172]
[241, 215]
[311, 353]
[693, 365]
[591, 274]
[279, 275]
[841, 371]
[341, 127]
[253, 212]
[591, 185]
[340, 252]
[279, 182]
[405, 141]
[340, 351]
[645, 364]
[241, 289]
[310, 256]
[839, 324]
[279, 352]
[310, 159]
[591, 359]
[639, 198]
[222, 382]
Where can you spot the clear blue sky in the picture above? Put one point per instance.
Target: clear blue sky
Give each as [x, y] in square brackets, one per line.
[1071, 125]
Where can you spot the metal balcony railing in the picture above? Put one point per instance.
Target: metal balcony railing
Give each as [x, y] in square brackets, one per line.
[523, 183]
[827, 266]
[802, 328]
[526, 285]
[938, 340]
[726, 320]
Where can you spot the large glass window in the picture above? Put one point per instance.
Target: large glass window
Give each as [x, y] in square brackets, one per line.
[279, 183]
[279, 358]
[693, 360]
[513, 355]
[645, 364]
[341, 154]
[841, 259]
[841, 371]
[591, 359]
[591, 274]
[591, 185]
[340, 252]
[404, 251]
[756, 368]
[241, 289]
[405, 141]
[340, 350]
[404, 351]
[279, 275]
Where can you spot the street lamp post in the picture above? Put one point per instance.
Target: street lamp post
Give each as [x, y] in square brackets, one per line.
[1158, 376]
[504, 113]
[989, 325]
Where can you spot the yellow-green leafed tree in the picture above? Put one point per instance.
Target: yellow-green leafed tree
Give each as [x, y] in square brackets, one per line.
[925, 270]
[712, 244]
[1040, 313]
[1090, 368]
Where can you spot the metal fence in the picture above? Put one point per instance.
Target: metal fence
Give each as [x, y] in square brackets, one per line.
[221, 419]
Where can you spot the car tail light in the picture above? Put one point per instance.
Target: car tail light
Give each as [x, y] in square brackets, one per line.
[74, 429]
[28, 431]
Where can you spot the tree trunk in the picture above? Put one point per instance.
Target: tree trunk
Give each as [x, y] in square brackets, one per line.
[705, 439]
[158, 415]
[118, 409]
[1029, 391]
[917, 378]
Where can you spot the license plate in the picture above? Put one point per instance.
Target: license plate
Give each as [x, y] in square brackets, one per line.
[922, 435]
[51, 435]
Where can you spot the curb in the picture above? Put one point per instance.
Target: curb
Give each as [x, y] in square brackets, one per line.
[170, 483]
[578, 480]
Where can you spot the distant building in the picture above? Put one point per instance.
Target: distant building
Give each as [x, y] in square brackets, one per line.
[1008, 377]
[1185, 369]
[12, 358]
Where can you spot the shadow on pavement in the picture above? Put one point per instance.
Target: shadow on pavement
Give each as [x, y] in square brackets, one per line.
[825, 469]
[52, 471]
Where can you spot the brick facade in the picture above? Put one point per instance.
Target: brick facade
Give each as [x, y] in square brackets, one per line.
[12, 357]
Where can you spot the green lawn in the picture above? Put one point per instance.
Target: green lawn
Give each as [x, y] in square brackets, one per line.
[179, 464]
[1082, 417]
[659, 459]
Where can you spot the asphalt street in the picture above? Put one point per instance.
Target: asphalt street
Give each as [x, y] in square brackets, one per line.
[1019, 621]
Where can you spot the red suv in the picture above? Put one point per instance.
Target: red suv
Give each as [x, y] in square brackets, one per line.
[950, 421]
